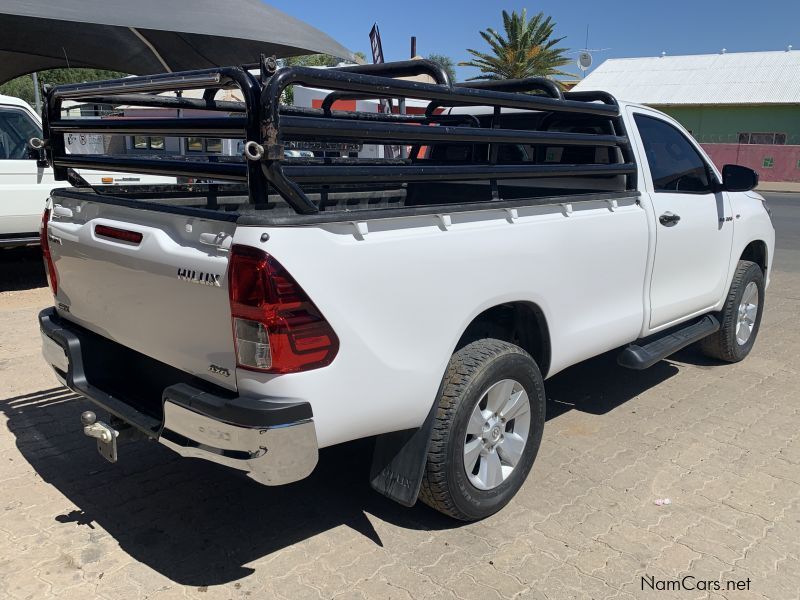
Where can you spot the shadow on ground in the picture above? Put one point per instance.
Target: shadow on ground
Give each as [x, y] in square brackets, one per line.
[600, 385]
[21, 269]
[199, 524]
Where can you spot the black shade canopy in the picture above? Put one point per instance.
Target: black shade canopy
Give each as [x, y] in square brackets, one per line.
[149, 36]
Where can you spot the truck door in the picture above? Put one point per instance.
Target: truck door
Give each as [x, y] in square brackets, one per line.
[693, 228]
[24, 186]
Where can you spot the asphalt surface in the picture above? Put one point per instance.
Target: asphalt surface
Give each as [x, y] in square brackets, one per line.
[786, 219]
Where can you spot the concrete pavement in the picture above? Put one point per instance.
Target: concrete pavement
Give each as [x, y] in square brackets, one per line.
[779, 186]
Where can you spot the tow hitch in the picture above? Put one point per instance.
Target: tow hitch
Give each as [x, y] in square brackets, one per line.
[105, 434]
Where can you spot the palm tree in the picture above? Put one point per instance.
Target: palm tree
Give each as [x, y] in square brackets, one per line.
[527, 50]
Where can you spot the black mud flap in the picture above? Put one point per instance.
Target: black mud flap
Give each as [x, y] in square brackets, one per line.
[398, 462]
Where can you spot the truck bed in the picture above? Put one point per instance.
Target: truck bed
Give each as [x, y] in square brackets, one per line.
[235, 206]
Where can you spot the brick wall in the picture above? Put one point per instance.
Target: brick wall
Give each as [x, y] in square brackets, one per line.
[783, 166]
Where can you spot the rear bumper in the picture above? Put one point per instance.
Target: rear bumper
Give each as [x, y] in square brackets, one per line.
[22, 239]
[273, 440]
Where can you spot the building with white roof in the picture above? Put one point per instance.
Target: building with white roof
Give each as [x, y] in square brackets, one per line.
[724, 99]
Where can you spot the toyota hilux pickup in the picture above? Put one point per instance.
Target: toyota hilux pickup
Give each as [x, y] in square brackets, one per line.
[422, 297]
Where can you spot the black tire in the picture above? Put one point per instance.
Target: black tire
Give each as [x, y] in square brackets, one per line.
[723, 344]
[471, 371]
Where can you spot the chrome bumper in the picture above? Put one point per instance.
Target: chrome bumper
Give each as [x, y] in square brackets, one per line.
[273, 441]
[270, 455]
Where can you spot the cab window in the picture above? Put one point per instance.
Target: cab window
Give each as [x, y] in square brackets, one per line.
[16, 128]
[675, 165]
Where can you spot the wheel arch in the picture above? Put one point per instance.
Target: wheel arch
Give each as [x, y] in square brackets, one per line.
[522, 323]
[756, 251]
[398, 460]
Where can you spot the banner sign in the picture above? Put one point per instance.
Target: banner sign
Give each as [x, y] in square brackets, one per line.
[385, 103]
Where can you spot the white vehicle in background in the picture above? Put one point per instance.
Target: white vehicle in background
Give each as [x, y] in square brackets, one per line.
[24, 185]
[422, 300]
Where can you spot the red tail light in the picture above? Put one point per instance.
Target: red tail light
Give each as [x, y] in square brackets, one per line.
[276, 326]
[134, 237]
[50, 268]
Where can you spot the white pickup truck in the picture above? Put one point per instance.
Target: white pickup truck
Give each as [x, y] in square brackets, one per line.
[25, 185]
[422, 300]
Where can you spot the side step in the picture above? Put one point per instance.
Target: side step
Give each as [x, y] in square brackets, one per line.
[642, 357]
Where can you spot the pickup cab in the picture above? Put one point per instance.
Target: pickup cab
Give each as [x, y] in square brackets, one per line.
[423, 300]
[25, 184]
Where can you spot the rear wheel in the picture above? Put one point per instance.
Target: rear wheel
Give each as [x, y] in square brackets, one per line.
[740, 317]
[487, 431]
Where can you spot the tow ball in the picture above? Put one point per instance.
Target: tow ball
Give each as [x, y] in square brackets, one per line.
[105, 435]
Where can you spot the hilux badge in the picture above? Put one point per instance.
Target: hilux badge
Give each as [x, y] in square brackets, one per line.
[199, 277]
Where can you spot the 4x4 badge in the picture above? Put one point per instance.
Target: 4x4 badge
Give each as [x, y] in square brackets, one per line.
[219, 370]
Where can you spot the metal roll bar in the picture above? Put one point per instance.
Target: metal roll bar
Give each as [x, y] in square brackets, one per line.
[529, 84]
[149, 84]
[355, 82]
[264, 125]
[150, 100]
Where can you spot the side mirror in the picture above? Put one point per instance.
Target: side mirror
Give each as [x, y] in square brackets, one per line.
[36, 150]
[736, 178]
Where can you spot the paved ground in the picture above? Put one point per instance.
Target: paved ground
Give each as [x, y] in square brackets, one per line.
[779, 186]
[721, 442]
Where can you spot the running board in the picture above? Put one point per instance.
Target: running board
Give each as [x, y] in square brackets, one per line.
[642, 357]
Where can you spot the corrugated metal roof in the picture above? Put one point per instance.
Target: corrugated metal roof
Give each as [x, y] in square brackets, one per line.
[730, 78]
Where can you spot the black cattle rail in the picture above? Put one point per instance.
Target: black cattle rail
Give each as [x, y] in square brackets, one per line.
[142, 91]
[265, 125]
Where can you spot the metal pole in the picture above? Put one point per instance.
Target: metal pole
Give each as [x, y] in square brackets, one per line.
[401, 103]
[37, 98]
[402, 109]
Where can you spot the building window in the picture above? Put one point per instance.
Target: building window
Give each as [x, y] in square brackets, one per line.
[143, 142]
[768, 163]
[762, 138]
[198, 144]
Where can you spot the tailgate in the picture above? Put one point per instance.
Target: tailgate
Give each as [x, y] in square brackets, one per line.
[155, 282]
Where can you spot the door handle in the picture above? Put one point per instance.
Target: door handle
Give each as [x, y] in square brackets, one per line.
[669, 219]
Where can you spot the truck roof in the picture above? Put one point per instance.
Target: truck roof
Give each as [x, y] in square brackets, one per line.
[14, 101]
[486, 110]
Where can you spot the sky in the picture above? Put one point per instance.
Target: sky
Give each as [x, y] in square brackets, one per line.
[622, 28]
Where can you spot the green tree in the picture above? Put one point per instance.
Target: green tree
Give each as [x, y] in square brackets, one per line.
[446, 63]
[310, 60]
[528, 49]
[22, 87]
